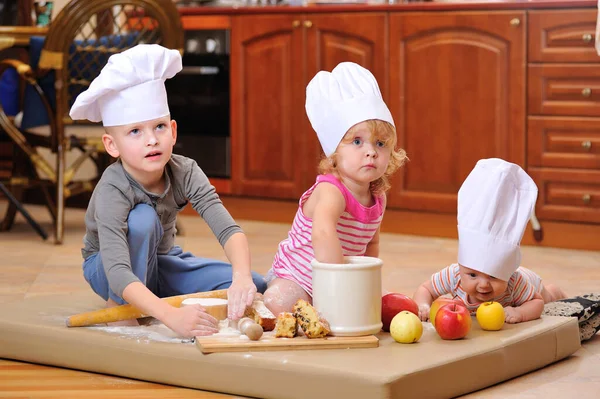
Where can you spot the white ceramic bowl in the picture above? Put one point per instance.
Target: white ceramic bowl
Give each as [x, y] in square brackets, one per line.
[348, 295]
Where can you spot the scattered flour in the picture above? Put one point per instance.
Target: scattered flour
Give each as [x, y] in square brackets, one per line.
[154, 332]
[158, 332]
[226, 331]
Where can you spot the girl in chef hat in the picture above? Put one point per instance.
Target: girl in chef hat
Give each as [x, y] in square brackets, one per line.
[495, 203]
[341, 213]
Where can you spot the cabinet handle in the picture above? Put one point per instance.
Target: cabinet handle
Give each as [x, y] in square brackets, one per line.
[295, 23]
[586, 37]
[515, 22]
[587, 145]
[308, 24]
[586, 198]
[586, 92]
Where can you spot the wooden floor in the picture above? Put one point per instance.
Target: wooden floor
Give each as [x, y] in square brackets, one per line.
[31, 267]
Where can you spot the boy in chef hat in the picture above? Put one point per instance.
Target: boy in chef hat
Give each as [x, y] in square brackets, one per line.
[341, 213]
[495, 203]
[129, 252]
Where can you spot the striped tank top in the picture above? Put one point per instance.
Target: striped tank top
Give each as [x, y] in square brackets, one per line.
[356, 227]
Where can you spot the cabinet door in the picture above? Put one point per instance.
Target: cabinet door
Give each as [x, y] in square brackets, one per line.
[457, 90]
[267, 105]
[333, 38]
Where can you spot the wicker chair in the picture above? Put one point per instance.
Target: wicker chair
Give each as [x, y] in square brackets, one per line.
[78, 44]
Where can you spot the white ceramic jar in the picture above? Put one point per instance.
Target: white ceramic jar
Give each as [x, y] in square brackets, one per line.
[348, 295]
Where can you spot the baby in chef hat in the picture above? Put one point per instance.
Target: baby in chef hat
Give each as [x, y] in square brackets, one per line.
[129, 251]
[495, 203]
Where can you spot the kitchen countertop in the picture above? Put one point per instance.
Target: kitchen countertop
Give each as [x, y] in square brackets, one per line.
[232, 7]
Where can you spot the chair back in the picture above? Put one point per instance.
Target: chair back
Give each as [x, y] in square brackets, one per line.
[86, 33]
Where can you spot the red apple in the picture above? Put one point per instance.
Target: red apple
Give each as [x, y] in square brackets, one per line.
[437, 304]
[453, 321]
[392, 304]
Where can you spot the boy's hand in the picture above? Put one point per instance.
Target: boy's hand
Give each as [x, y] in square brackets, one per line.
[191, 321]
[239, 295]
[424, 311]
[512, 315]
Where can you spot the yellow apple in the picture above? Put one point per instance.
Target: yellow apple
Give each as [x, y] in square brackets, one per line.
[490, 316]
[406, 327]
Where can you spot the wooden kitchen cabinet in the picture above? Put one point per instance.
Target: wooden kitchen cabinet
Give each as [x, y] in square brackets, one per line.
[332, 38]
[273, 57]
[463, 84]
[567, 194]
[564, 89]
[266, 105]
[564, 115]
[457, 91]
[563, 142]
[562, 36]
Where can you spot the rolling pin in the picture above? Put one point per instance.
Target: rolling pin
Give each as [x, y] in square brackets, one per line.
[250, 328]
[128, 312]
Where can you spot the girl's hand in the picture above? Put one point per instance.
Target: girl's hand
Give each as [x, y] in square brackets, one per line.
[512, 315]
[239, 295]
[191, 321]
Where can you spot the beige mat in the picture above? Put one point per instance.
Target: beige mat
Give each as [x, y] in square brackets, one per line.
[34, 331]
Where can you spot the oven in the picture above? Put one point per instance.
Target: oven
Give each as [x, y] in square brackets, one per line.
[199, 101]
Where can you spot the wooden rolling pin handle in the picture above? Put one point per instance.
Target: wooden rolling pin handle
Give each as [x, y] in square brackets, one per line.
[129, 312]
[250, 328]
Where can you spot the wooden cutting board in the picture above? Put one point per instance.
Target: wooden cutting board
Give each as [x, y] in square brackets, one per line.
[270, 343]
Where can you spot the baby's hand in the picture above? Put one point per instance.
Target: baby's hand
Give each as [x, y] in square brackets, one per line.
[191, 321]
[512, 315]
[424, 311]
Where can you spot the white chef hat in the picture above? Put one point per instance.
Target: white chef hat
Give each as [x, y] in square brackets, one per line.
[130, 88]
[495, 203]
[338, 100]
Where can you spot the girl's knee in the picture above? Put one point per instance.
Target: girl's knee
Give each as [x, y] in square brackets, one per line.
[281, 295]
[275, 302]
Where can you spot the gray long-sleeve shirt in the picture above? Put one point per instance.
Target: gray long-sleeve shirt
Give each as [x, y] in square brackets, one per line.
[117, 193]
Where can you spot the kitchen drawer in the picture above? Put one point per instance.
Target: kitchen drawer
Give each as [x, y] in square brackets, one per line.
[567, 195]
[563, 89]
[563, 142]
[562, 36]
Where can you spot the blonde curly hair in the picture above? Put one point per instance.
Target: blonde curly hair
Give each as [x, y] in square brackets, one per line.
[382, 131]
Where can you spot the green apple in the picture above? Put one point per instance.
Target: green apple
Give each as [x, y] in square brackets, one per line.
[406, 327]
[490, 316]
